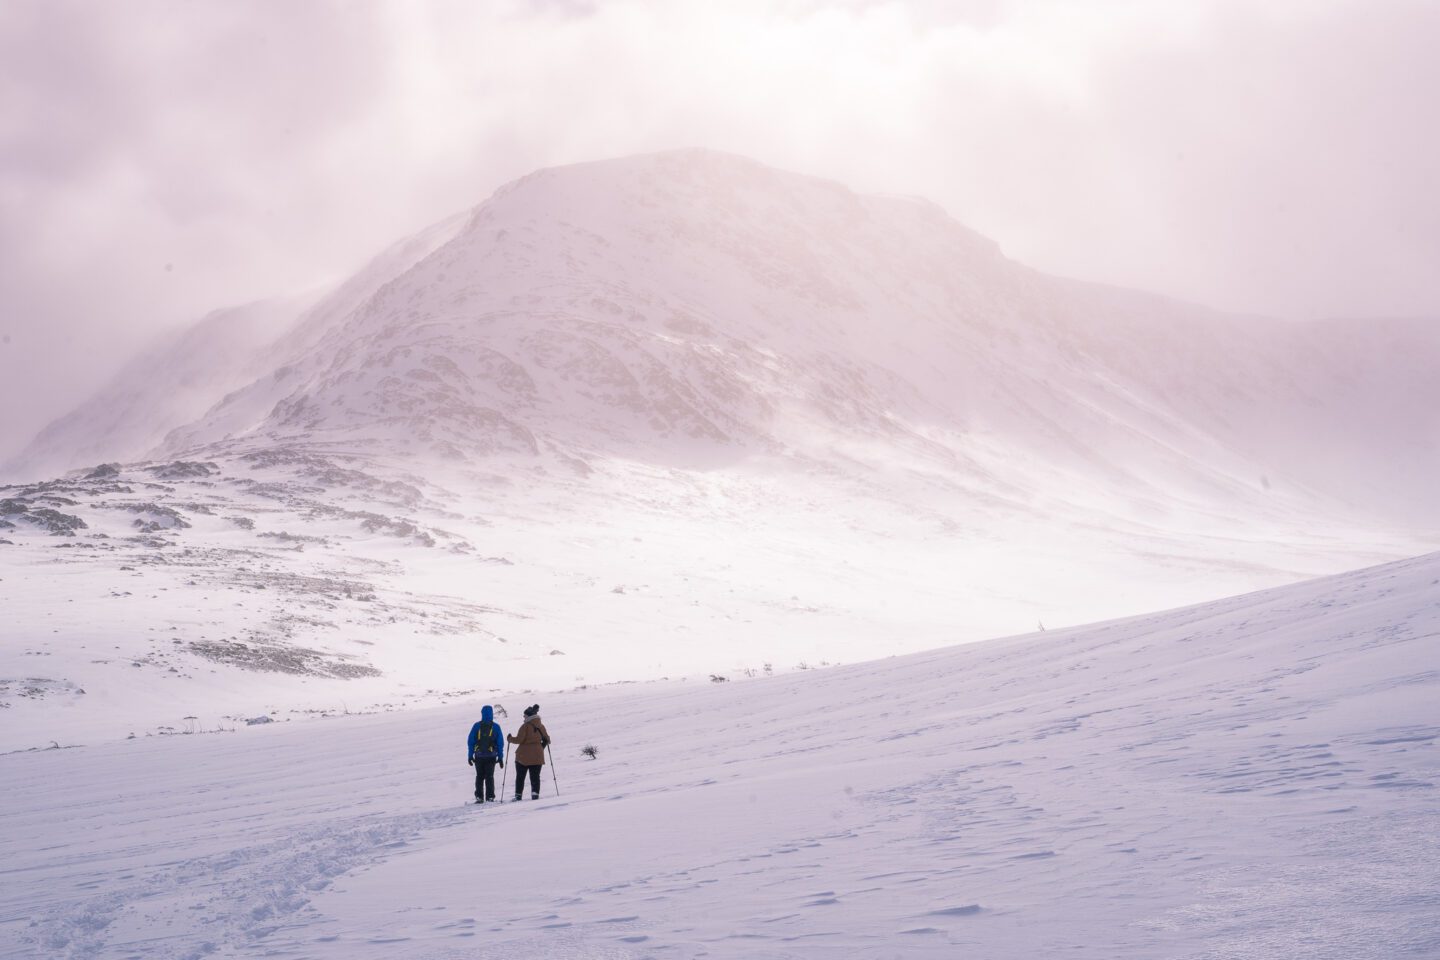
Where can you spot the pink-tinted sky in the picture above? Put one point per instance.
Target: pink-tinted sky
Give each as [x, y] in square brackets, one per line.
[160, 159]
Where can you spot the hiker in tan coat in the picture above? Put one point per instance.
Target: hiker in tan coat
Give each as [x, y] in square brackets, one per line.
[530, 743]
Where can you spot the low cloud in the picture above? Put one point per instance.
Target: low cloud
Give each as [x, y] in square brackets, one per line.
[161, 159]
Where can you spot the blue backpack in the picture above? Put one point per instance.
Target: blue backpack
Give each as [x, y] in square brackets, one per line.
[485, 742]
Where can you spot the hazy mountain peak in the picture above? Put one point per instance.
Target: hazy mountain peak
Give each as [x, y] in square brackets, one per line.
[694, 307]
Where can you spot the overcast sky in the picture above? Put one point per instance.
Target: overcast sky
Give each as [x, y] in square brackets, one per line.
[161, 159]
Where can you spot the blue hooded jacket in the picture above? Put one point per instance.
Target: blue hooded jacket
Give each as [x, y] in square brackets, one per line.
[485, 751]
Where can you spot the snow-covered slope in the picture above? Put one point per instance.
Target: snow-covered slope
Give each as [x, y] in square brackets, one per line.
[181, 377]
[1249, 778]
[287, 582]
[172, 383]
[684, 413]
[694, 308]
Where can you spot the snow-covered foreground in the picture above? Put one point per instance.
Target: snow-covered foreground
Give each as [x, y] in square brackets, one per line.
[1252, 777]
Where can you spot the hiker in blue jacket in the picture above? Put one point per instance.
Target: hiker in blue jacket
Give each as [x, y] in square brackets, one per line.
[483, 750]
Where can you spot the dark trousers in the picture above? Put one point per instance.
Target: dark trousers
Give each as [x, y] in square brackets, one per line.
[520, 770]
[485, 779]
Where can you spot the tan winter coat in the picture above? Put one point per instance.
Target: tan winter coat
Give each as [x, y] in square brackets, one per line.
[530, 742]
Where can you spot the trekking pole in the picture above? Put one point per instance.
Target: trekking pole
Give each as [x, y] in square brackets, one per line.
[552, 769]
[503, 771]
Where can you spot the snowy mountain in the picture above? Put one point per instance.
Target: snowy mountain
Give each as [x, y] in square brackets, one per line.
[173, 382]
[690, 420]
[681, 414]
[695, 308]
[1252, 777]
[179, 378]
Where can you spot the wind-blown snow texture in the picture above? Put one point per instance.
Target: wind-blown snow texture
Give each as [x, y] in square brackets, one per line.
[1249, 778]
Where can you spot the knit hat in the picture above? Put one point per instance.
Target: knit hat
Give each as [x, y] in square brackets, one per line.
[532, 710]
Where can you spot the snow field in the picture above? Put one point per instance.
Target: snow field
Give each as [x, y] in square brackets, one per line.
[1253, 777]
[639, 573]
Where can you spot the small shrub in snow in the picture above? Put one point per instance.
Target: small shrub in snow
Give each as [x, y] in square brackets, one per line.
[589, 751]
[716, 678]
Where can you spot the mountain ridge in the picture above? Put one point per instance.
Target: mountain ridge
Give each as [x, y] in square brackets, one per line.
[696, 305]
